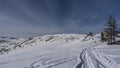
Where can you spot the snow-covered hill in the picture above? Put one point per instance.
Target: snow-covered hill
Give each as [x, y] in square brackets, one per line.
[9, 44]
[58, 51]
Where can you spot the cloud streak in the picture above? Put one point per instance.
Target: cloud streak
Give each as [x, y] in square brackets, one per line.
[26, 18]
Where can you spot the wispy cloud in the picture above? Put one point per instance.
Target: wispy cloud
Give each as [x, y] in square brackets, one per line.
[26, 18]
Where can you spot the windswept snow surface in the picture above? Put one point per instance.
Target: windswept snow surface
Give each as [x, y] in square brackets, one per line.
[59, 51]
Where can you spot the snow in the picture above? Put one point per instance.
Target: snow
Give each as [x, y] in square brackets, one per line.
[59, 51]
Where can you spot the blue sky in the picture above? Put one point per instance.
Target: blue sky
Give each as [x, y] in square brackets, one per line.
[27, 18]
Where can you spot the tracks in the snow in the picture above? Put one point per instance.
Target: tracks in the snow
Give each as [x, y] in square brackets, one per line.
[50, 61]
[92, 59]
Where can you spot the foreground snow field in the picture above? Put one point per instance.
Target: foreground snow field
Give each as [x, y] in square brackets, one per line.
[58, 51]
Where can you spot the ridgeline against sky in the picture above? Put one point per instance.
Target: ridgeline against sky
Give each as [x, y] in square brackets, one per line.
[26, 18]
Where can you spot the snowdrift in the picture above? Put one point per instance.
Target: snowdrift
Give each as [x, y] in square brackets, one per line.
[58, 51]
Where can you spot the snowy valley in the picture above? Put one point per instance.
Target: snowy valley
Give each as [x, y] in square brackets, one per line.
[58, 51]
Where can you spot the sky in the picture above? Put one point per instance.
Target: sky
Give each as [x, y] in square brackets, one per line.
[29, 18]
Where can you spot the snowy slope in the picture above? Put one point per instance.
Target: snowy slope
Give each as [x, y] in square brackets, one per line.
[59, 51]
[7, 44]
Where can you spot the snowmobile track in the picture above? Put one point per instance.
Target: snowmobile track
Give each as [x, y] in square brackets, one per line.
[90, 59]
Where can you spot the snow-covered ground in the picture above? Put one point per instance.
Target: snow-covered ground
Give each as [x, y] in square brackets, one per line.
[58, 51]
